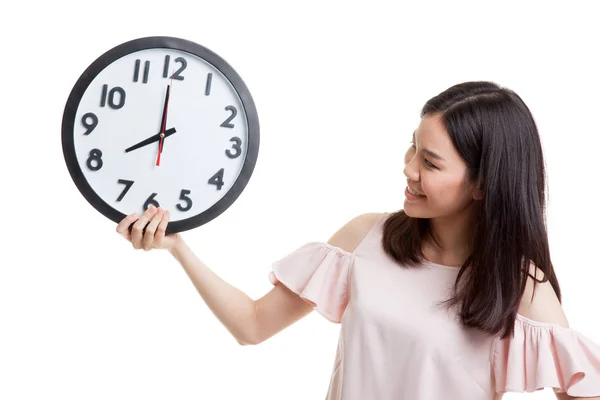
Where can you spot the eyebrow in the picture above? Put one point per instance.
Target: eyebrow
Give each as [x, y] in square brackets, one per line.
[429, 152]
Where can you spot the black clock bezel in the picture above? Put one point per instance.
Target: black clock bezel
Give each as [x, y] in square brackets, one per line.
[167, 42]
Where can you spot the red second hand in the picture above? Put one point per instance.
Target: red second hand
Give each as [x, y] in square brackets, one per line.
[164, 123]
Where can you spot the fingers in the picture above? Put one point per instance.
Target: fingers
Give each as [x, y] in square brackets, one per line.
[162, 227]
[123, 225]
[136, 231]
[145, 232]
[149, 241]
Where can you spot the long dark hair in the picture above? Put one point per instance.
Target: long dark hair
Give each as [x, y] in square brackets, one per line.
[495, 134]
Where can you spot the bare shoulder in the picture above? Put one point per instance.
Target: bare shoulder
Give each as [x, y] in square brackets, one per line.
[545, 306]
[352, 233]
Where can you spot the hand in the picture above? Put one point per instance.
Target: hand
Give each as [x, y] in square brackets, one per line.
[148, 231]
[151, 139]
[163, 124]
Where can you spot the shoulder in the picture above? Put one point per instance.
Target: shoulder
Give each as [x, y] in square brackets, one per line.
[544, 306]
[351, 234]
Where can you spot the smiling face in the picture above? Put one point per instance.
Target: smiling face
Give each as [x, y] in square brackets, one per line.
[434, 168]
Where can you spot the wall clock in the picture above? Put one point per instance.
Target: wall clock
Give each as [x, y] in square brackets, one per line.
[162, 121]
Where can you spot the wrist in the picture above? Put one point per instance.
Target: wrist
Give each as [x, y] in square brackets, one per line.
[177, 246]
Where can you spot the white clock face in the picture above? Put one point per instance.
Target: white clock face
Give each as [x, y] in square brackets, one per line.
[206, 133]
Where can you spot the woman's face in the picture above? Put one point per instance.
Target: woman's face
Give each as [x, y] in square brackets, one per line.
[434, 168]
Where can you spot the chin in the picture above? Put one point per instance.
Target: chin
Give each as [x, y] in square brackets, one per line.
[417, 211]
[410, 210]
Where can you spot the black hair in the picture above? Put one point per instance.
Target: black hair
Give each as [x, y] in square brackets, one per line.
[494, 132]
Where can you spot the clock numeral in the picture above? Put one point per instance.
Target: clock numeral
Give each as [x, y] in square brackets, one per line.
[166, 67]
[150, 200]
[183, 196]
[89, 126]
[217, 179]
[176, 75]
[226, 123]
[95, 155]
[208, 84]
[136, 71]
[127, 184]
[236, 146]
[111, 97]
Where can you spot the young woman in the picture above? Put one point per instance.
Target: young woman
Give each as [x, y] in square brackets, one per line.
[452, 297]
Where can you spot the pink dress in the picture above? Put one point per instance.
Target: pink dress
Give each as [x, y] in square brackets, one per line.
[395, 343]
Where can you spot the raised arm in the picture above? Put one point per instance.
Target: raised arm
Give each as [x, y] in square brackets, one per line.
[249, 321]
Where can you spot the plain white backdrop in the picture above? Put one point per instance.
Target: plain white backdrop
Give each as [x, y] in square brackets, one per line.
[338, 87]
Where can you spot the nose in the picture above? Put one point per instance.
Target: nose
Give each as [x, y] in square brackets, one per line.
[410, 169]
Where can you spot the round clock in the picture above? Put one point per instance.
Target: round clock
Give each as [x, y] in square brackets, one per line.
[161, 121]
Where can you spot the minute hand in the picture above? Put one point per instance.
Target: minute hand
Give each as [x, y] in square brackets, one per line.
[151, 139]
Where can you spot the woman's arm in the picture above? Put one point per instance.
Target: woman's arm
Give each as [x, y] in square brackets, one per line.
[231, 306]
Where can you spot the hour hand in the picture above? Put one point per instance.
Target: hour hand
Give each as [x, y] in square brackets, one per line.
[151, 139]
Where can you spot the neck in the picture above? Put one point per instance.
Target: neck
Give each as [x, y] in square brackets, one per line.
[454, 237]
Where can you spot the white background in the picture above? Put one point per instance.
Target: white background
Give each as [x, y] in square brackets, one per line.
[338, 88]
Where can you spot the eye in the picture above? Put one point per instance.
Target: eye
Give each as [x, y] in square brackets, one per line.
[430, 165]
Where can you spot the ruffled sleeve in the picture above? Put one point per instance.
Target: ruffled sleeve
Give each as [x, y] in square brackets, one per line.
[544, 355]
[319, 273]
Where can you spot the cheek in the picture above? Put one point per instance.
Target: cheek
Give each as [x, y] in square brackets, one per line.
[445, 189]
[437, 185]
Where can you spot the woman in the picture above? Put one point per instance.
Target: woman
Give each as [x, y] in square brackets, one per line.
[452, 297]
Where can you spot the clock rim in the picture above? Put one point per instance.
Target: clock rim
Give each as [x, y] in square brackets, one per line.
[175, 43]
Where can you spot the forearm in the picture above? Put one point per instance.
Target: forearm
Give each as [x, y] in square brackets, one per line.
[231, 306]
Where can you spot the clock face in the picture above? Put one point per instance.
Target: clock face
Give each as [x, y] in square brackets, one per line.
[135, 92]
